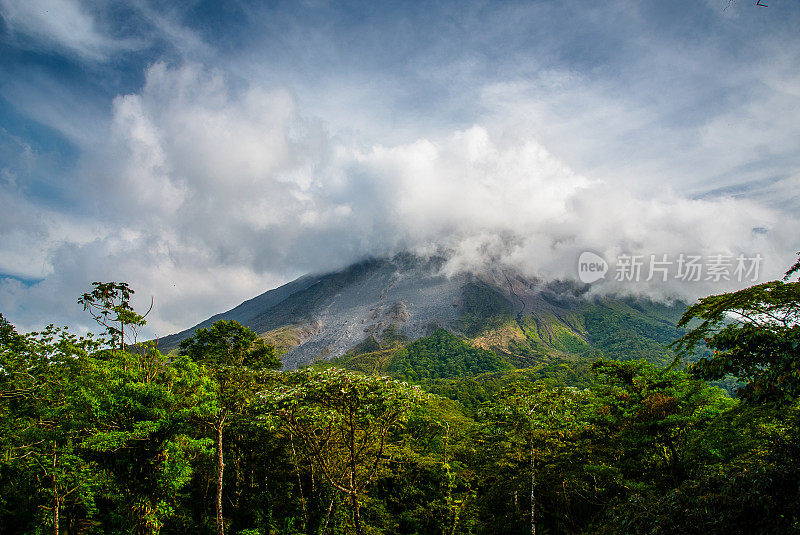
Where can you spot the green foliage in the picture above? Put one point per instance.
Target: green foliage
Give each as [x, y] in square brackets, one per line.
[144, 438]
[625, 329]
[125, 440]
[472, 392]
[550, 335]
[236, 358]
[633, 330]
[443, 355]
[526, 427]
[343, 423]
[109, 305]
[40, 380]
[229, 343]
[96, 426]
[652, 411]
[744, 479]
[371, 356]
[755, 336]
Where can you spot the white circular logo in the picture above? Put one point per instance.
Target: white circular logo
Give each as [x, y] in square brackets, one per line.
[591, 267]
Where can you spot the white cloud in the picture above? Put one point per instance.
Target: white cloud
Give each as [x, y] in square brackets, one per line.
[223, 192]
[209, 193]
[29, 233]
[63, 25]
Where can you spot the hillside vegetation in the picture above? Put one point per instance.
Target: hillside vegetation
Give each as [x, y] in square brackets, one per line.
[579, 428]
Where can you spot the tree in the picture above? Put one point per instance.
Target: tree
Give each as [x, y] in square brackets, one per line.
[679, 456]
[648, 414]
[343, 421]
[86, 422]
[235, 356]
[139, 407]
[534, 418]
[109, 305]
[43, 425]
[144, 420]
[755, 336]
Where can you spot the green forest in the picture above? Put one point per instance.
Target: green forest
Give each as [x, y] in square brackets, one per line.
[104, 434]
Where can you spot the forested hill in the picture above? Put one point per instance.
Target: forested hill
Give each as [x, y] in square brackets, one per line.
[410, 436]
[509, 422]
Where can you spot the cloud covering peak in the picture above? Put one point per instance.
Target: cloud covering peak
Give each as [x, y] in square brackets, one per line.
[203, 186]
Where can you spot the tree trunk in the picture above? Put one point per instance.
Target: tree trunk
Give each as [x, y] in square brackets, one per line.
[353, 479]
[328, 515]
[299, 483]
[356, 512]
[533, 490]
[56, 507]
[55, 518]
[220, 469]
[56, 504]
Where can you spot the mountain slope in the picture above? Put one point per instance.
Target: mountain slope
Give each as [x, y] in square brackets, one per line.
[379, 306]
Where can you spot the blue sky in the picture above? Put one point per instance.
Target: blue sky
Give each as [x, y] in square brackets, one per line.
[208, 151]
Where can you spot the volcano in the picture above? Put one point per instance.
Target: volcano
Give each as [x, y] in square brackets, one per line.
[524, 320]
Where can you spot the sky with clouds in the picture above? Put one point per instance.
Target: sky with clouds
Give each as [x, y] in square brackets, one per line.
[206, 152]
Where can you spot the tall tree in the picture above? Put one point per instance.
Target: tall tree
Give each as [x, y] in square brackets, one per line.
[533, 419]
[140, 406]
[343, 421]
[109, 303]
[235, 357]
[43, 424]
[144, 418]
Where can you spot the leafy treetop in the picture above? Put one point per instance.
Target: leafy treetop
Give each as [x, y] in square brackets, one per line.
[229, 343]
[109, 303]
[754, 334]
